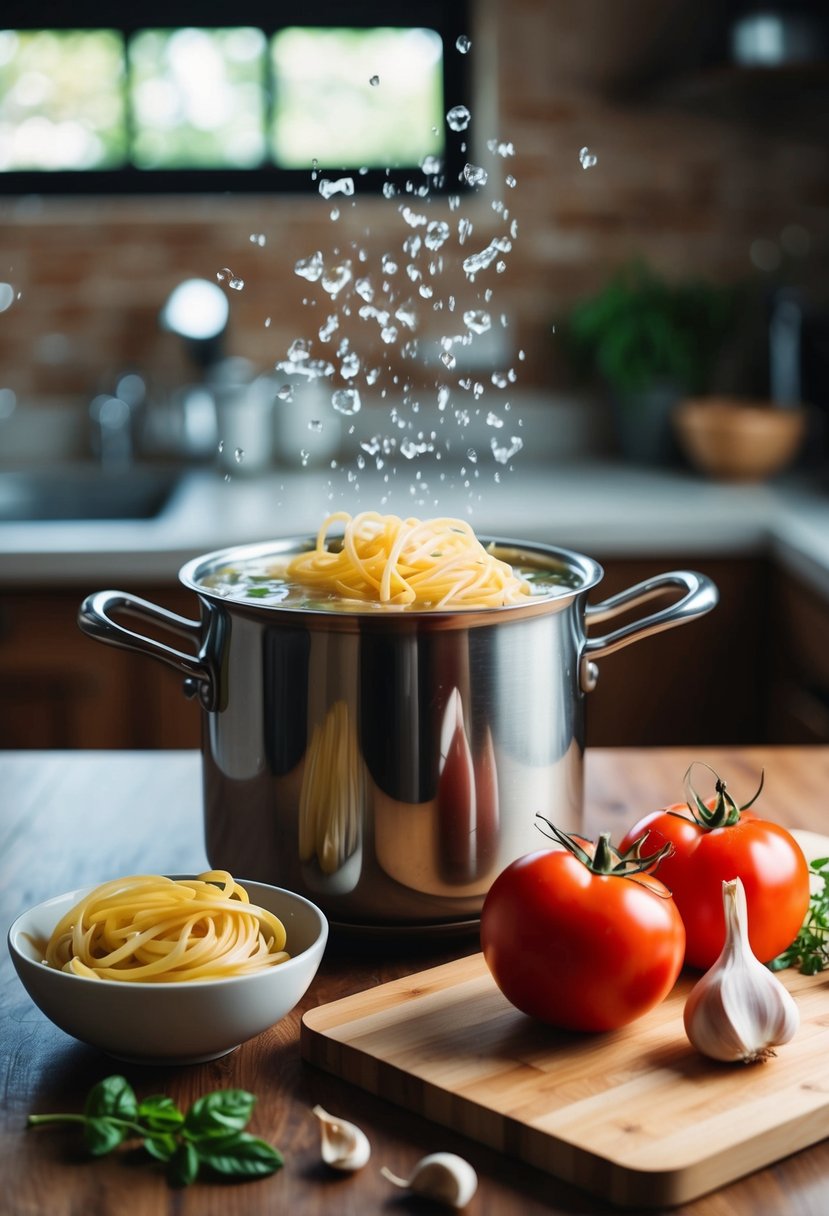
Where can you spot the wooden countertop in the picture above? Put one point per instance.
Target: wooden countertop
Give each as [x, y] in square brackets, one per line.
[74, 818]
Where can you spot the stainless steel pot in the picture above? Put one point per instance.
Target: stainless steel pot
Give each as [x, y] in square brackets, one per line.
[389, 765]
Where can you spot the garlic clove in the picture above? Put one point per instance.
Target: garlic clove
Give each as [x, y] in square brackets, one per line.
[739, 1010]
[442, 1176]
[343, 1145]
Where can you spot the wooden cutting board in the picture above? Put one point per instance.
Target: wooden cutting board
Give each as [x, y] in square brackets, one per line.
[636, 1116]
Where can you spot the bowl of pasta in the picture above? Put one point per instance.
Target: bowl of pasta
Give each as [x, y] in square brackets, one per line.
[169, 970]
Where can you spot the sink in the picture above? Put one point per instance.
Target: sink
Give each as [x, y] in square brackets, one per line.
[84, 492]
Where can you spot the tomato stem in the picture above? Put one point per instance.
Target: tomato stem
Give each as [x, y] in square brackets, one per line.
[725, 811]
[600, 857]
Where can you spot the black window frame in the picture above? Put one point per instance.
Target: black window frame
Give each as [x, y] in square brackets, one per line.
[449, 17]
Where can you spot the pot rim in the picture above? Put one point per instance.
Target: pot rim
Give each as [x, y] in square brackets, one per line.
[590, 573]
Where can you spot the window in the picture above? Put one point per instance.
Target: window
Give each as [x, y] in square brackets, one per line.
[170, 104]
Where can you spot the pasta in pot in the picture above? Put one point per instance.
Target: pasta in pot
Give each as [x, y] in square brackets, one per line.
[436, 563]
[151, 928]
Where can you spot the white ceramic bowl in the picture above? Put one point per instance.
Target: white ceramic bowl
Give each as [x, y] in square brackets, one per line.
[171, 1023]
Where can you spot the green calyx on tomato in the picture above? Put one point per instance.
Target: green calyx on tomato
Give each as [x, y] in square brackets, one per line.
[604, 859]
[720, 811]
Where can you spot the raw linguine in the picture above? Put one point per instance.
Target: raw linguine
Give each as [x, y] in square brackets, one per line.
[151, 928]
[435, 563]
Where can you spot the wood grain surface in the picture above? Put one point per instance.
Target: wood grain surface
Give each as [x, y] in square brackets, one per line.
[68, 819]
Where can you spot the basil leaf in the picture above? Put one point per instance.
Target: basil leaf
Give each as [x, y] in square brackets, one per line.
[161, 1147]
[183, 1167]
[240, 1156]
[113, 1096]
[102, 1135]
[160, 1113]
[218, 1113]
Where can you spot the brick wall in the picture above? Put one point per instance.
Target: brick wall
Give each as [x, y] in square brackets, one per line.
[693, 168]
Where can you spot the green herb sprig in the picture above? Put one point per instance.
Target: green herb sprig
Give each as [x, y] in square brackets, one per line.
[210, 1134]
[809, 951]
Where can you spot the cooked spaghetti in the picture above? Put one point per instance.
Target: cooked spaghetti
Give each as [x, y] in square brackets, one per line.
[435, 563]
[150, 928]
[331, 797]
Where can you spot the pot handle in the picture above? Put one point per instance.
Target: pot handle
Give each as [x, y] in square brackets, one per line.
[95, 619]
[700, 596]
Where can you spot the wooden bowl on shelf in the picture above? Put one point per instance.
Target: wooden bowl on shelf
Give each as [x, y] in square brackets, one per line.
[735, 440]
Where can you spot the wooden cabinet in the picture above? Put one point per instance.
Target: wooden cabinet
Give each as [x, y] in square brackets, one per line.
[61, 689]
[701, 683]
[798, 700]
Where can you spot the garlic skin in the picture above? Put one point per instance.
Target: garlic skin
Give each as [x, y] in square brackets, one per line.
[343, 1145]
[442, 1176]
[739, 1010]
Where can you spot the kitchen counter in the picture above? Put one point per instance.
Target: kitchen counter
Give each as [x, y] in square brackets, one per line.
[73, 818]
[599, 507]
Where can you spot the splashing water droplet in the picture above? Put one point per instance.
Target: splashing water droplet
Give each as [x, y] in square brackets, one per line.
[505, 453]
[334, 279]
[299, 350]
[285, 393]
[364, 290]
[458, 118]
[389, 334]
[465, 229]
[327, 331]
[343, 185]
[310, 268]
[480, 261]
[389, 189]
[406, 314]
[437, 233]
[493, 420]
[374, 81]
[226, 275]
[350, 365]
[448, 359]
[258, 238]
[431, 165]
[411, 245]
[477, 320]
[475, 175]
[221, 446]
[239, 455]
[388, 264]
[315, 425]
[511, 181]
[500, 149]
[587, 158]
[463, 44]
[346, 401]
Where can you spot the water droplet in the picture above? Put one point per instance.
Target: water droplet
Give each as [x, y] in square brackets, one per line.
[407, 315]
[388, 264]
[493, 420]
[437, 232]
[431, 165]
[458, 118]
[510, 181]
[285, 393]
[475, 175]
[267, 322]
[505, 453]
[350, 365]
[426, 291]
[448, 360]
[389, 189]
[413, 218]
[346, 401]
[471, 455]
[389, 334]
[299, 350]
[587, 158]
[334, 214]
[479, 261]
[374, 81]
[334, 279]
[310, 268]
[221, 446]
[258, 238]
[465, 229]
[500, 149]
[463, 44]
[343, 185]
[315, 425]
[372, 375]
[330, 327]
[239, 455]
[477, 320]
[411, 245]
[226, 275]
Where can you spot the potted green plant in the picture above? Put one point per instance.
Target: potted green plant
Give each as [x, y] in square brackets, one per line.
[652, 342]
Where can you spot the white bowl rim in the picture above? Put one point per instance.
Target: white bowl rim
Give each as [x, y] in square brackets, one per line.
[70, 897]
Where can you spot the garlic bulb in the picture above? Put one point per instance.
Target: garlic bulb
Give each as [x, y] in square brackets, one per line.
[442, 1176]
[343, 1145]
[739, 1010]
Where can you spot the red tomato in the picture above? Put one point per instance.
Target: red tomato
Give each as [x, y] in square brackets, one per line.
[764, 855]
[579, 949]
